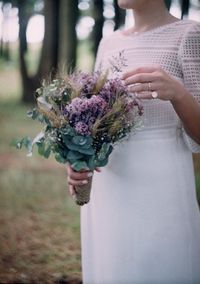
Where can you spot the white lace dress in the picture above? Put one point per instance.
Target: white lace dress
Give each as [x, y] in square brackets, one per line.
[142, 225]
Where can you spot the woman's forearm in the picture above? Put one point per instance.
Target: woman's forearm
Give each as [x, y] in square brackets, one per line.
[188, 109]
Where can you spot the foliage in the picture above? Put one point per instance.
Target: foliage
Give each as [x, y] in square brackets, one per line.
[84, 116]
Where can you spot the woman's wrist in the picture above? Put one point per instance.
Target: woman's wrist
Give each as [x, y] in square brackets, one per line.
[178, 97]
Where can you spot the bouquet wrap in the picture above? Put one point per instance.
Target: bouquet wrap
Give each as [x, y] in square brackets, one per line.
[82, 195]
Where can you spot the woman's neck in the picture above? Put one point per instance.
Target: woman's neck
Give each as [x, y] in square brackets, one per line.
[153, 15]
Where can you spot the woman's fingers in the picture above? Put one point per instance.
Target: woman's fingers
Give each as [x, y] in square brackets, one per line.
[143, 87]
[145, 95]
[82, 175]
[147, 69]
[140, 78]
[77, 178]
[72, 190]
[75, 182]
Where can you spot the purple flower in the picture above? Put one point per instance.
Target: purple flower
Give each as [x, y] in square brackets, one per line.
[85, 82]
[82, 128]
[85, 110]
[111, 88]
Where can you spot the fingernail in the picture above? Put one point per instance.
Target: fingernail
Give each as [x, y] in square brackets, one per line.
[84, 182]
[90, 174]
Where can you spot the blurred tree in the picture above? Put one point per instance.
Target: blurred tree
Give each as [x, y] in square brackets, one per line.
[4, 44]
[185, 5]
[59, 44]
[49, 53]
[29, 83]
[97, 13]
[120, 15]
[68, 17]
[168, 3]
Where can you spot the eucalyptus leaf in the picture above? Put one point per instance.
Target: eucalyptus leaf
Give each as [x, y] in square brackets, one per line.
[47, 152]
[74, 155]
[34, 113]
[79, 165]
[104, 152]
[60, 159]
[67, 141]
[91, 163]
[82, 140]
[89, 151]
[67, 130]
[41, 148]
[101, 163]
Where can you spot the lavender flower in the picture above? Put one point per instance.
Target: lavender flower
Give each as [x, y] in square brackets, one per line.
[85, 111]
[82, 128]
[111, 88]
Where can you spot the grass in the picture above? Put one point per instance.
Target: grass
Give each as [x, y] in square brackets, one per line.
[39, 222]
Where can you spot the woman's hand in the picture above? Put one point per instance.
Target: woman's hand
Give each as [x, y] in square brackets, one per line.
[154, 82]
[77, 178]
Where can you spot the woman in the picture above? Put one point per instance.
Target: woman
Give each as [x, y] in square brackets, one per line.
[142, 224]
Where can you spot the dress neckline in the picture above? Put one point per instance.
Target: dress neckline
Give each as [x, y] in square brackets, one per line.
[130, 35]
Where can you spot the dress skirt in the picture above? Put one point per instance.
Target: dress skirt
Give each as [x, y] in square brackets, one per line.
[142, 224]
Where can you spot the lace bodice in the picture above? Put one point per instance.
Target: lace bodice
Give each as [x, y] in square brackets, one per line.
[175, 47]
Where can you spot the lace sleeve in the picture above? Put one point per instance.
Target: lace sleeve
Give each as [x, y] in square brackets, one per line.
[189, 55]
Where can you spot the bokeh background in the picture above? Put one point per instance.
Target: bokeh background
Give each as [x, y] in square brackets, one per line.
[39, 222]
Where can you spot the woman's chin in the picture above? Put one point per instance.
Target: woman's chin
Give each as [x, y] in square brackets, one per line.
[125, 4]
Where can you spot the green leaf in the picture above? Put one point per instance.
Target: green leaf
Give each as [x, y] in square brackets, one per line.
[60, 159]
[79, 165]
[33, 113]
[89, 151]
[47, 152]
[91, 163]
[74, 155]
[67, 141]
[67, 130]
[41, 148]
[101, 163]
[104, 152]
[82, 141]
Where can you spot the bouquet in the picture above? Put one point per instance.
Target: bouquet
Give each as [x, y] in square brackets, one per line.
[83, 116]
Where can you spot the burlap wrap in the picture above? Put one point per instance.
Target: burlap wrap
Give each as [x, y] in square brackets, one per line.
[82, 195]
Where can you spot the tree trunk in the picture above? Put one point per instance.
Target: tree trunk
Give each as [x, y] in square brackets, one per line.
[99, 21]
[49, 53]
[120, 15]
[185, 5]
[28, 84]
[67, 34]
[168, 3]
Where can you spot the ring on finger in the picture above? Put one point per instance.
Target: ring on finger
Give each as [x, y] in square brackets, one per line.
[154, 94]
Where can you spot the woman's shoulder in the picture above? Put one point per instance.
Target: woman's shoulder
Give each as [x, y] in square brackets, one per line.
[190, 26]
[107, 42]
[191, 32]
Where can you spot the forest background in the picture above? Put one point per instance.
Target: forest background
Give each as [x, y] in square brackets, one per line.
[39, 223]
